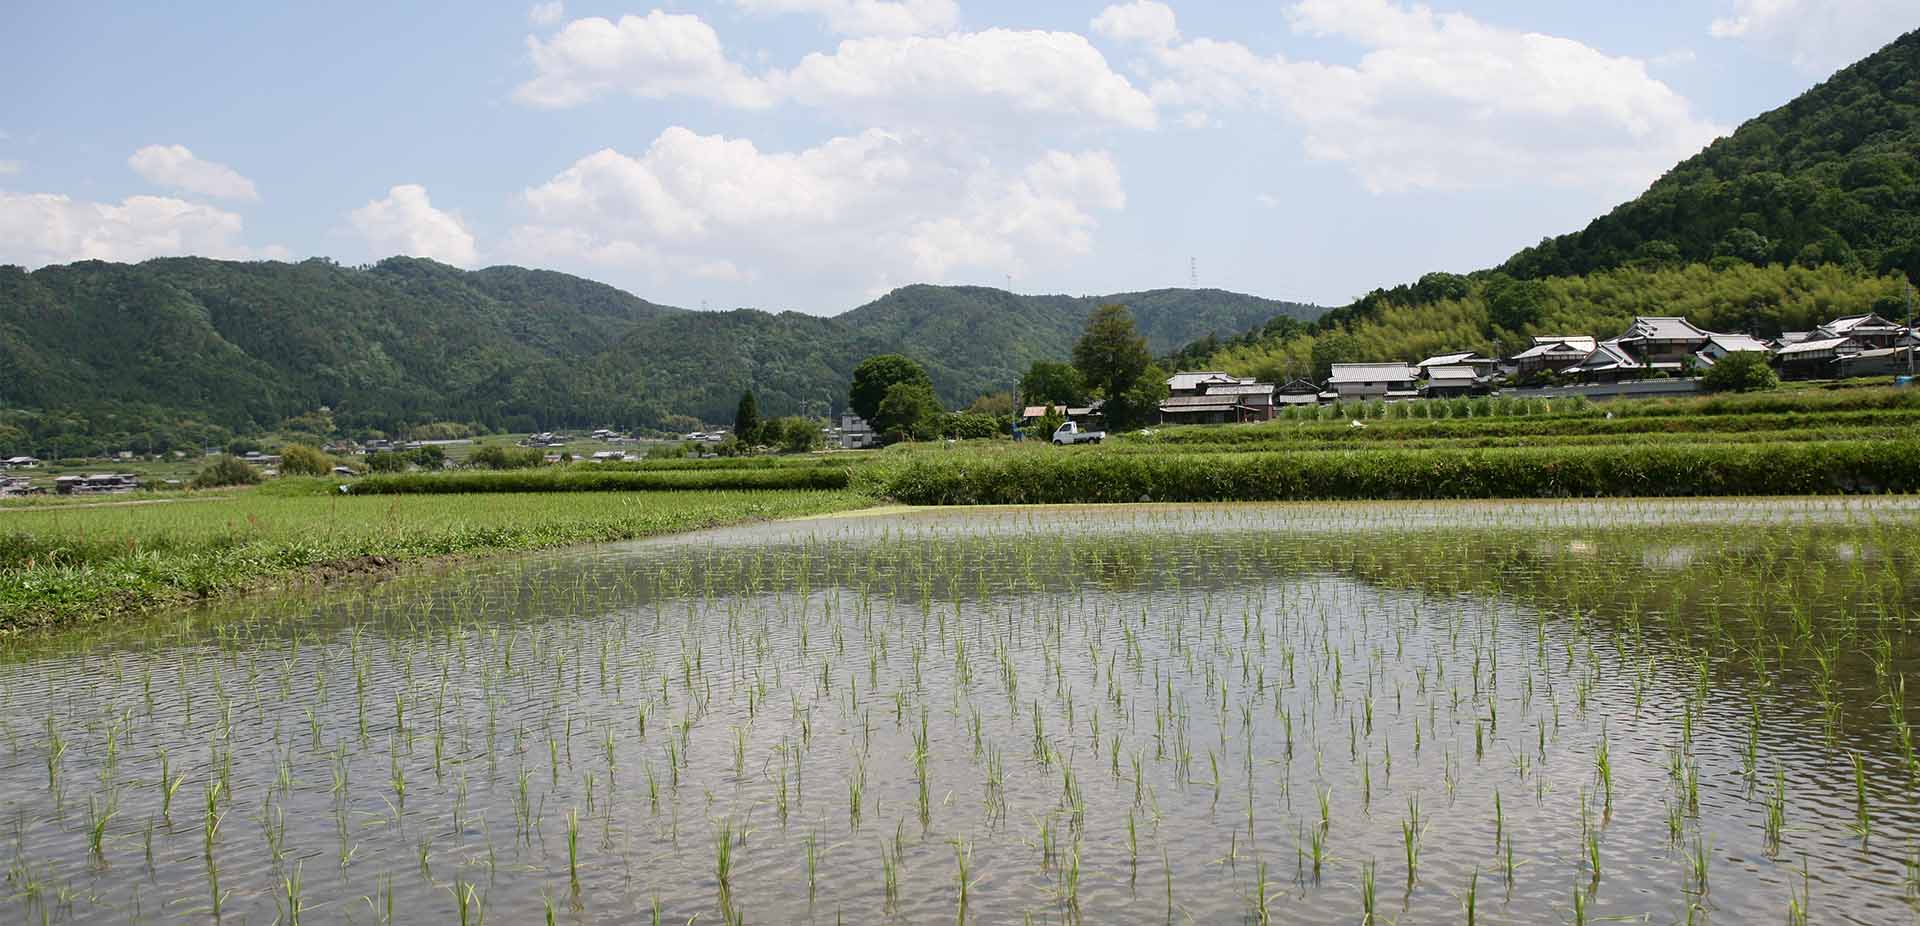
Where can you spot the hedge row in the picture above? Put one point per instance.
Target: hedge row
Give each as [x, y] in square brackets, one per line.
[1281, 433]
[1555, 472]
[590, 480]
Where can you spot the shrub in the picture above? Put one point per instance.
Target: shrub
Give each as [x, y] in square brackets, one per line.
[302, 460]
[792, 435]
[1747, 371]
[499, 456]
[386, 463]
[228, 470]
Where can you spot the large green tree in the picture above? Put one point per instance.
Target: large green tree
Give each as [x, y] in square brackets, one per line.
[1052, 382]
[1113, 358]
[908, 411]
[875, 376]
[746, 418]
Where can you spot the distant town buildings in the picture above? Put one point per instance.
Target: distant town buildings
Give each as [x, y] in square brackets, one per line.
[1652, 347]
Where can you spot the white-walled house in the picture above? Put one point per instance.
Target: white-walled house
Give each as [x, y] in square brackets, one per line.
[1374, 381]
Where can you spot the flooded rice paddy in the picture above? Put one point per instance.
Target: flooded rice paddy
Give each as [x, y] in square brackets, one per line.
[1504, 713]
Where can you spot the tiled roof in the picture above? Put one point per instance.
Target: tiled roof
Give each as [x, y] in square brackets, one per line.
[1657, 328]
[1372, 372]
[1814, 347]
[1454, 374]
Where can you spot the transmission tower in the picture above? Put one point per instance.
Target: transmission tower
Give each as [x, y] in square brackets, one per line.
[1193, 272]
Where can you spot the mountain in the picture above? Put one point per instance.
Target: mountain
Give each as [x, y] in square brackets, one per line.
[1832, 177]
[175, 352]
[1805, 213]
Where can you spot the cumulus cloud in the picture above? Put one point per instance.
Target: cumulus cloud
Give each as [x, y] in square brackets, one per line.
[1818, 36]
[176, 167]
[1049, 74]
[655, 56]
[868, 17]
[406, 222]
[864, 210]
[890, 79]
[547, 14]
[49, 228]
[1437, 100]
[1143, 21]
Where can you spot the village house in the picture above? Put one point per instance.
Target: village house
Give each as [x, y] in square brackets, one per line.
[97, 484]
[1452, 382]
[1551, 354]
[1720, 346]
[1229, 401]
[853, 433]
[1879, 361]
[1196, 383]
[1812, 359]
[1374, 381]
[1298, 393]
[1657, 340]
[1482, 367]
[1612, 362]
[19, 463]
[1868, 331]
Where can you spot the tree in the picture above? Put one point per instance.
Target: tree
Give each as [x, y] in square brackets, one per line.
[1111, 356]
[498, 456]
[1746, 371]
[998, 405]
[875, 376]
[909, 411]
[746, 418]
[792, 435]
[1135, 407]
[1051, 382]
[387, 462]
[302, 460]
[226, 471]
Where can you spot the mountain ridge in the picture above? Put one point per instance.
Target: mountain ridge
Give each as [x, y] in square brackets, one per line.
[187, 348]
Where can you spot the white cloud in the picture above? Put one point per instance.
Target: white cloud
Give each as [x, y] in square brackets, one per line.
[50, 228]
[1438, 100]
[869, 17]
[9, 168]
[1818, 36]
[862, 210]
[963, 78]
[1046, 74]
[406, 222]
[1143, 21]
[655, 56]
[547, 14]
[176, 167]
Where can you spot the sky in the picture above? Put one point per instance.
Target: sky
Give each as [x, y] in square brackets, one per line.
[812, 155]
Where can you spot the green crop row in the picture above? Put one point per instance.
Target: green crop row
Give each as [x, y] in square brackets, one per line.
[1281, 434]
[1822, 468]
[579, 479]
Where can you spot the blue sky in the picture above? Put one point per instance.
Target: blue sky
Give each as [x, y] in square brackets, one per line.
[813, 154]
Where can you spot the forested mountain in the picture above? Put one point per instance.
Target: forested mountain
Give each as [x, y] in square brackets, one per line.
[1805, 213]
[177, 352]
[1832, 177]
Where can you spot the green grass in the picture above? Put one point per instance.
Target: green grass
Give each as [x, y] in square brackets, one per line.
[62, 565]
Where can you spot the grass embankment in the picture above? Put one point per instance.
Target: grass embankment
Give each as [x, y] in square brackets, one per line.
[63, 565]
[1043, 475]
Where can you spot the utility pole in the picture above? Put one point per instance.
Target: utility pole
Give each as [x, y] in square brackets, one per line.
[1910, 332]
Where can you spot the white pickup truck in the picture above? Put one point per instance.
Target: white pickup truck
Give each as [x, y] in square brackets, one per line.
[1070, 433]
